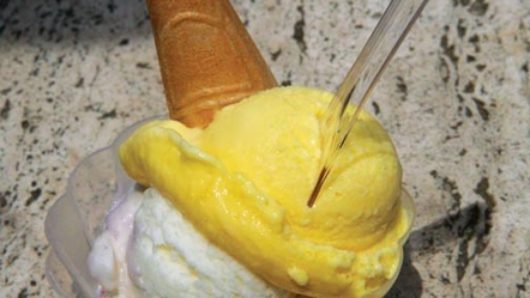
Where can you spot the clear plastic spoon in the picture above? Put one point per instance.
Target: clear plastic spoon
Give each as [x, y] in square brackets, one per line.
[386, 38]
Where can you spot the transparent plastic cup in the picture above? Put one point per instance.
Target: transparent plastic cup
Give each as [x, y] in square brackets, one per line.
[77, 217]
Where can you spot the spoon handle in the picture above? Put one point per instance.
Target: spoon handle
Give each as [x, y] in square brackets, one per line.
[386, 38]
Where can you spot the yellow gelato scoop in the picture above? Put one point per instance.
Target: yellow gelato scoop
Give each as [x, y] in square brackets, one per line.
[245, 179]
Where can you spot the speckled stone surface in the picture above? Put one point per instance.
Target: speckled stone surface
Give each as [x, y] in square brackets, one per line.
[456, 99]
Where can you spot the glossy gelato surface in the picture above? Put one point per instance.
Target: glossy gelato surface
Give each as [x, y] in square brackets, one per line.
[244, 182]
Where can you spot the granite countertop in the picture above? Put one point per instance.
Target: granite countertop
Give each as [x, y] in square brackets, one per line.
[456, 100]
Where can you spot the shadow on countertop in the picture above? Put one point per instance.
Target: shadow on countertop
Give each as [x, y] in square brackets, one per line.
[457, 230]
[66, 22]
[408, 283]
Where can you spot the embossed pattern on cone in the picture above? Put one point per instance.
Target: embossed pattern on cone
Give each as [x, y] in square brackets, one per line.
[207, 58]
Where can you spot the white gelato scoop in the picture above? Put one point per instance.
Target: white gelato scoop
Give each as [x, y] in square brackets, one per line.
[167, 257]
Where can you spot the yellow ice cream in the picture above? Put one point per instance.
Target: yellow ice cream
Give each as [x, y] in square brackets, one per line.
[244, 182]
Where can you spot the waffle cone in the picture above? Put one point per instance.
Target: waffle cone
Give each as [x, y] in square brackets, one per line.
[207, 58]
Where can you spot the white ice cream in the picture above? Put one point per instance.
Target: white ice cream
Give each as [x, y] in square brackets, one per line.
[168, 257]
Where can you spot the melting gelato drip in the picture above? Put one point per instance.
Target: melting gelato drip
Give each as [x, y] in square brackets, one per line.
[243, 184]
[107, 260]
